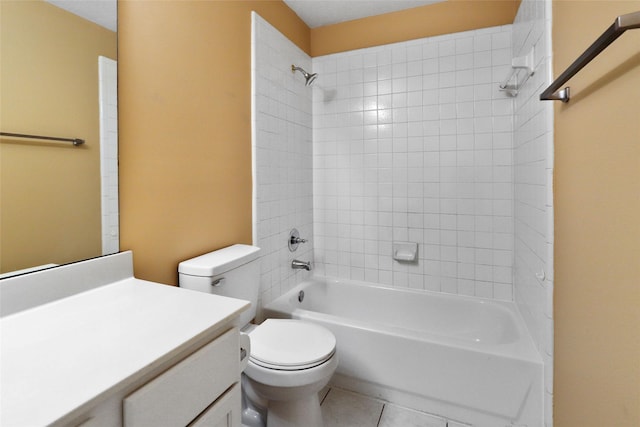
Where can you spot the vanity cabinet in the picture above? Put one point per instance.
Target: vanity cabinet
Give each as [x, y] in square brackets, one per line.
[194, 385]
[202, 390]
[224, 412]
[118, 353]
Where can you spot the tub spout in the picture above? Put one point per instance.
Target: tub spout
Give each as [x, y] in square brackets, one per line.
[301, 265]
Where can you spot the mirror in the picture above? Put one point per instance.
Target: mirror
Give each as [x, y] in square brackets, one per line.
[58, 78]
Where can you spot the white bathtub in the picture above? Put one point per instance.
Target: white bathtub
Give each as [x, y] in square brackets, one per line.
[466, 359]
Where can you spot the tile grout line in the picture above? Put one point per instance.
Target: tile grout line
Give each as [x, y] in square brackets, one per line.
[384, 405]
[325, 396]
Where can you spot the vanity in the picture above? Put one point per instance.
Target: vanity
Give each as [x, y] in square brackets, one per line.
[88, 344]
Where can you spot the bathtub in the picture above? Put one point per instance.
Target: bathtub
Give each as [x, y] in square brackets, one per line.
[465, 359]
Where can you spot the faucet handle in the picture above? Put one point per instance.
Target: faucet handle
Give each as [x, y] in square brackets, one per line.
[295, 240]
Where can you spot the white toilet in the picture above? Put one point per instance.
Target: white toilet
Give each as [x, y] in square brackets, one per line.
[290, 360]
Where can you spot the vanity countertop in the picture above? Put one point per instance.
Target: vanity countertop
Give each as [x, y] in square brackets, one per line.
[72, 352]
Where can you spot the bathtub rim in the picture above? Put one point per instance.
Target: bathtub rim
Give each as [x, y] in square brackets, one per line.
[522, 349]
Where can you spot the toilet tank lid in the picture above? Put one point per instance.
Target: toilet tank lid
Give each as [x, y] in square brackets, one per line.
[220, 261]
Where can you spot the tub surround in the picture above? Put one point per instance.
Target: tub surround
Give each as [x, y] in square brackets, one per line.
[79, 355]
[412, 142]
[533, 269]
[282, 157]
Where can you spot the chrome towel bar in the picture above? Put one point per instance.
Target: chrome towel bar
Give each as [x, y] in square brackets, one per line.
[621, 24]
[74, 141]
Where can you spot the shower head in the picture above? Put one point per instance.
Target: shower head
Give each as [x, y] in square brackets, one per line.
[309, 78]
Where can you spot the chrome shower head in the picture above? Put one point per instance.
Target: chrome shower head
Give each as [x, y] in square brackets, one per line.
[309, 78]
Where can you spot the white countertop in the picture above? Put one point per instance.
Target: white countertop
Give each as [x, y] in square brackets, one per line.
[56, 357]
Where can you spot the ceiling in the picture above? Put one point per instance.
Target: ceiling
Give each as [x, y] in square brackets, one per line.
[316, 13]
[102, 12]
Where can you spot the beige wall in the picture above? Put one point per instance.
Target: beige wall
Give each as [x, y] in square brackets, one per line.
[597, 222]
[49, 192]
[185, 126]
[441, 18]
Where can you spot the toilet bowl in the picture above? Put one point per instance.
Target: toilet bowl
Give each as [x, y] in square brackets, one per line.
[289, 361]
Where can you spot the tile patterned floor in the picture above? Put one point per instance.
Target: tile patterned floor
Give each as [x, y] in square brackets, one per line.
[341, 408]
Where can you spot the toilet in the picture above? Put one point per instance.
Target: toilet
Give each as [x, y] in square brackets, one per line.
[290, 361]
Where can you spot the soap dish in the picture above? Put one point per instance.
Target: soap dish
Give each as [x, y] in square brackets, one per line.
[405, 251]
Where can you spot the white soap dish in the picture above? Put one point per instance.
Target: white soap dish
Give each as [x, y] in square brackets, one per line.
[405, 251]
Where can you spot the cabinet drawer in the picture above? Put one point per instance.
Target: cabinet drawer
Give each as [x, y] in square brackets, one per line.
[224, 412]
[178, 395]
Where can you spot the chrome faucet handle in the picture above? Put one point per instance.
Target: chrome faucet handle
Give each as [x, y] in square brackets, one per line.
[295, 240]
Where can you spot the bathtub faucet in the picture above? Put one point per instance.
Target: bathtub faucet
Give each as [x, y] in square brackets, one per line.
[301, 265]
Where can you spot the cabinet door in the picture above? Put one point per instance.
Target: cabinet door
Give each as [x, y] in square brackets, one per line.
[224, 412]
[177, 396]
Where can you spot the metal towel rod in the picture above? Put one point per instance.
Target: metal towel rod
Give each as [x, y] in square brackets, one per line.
[74, 141]
[621, 24]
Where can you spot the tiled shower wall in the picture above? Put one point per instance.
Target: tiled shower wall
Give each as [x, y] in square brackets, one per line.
[108, 92]
[533, 167]
[282, 162]
[413, 142]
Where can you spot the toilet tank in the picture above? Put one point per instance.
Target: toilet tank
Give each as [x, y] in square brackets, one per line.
[233, 272]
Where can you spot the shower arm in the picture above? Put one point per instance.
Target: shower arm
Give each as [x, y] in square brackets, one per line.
[309, 78]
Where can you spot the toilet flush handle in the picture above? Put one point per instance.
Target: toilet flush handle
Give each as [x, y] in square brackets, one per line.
[245, 350]
[218, 282]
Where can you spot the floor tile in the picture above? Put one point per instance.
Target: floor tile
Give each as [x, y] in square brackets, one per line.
[396, 416]
[345, 409]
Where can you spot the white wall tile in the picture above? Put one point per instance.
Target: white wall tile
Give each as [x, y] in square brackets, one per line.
[429, 116]
[108, 88]
[282, 153]
[533, 199]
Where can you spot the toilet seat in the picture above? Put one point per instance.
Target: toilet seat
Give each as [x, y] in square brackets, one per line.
[290, 345]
